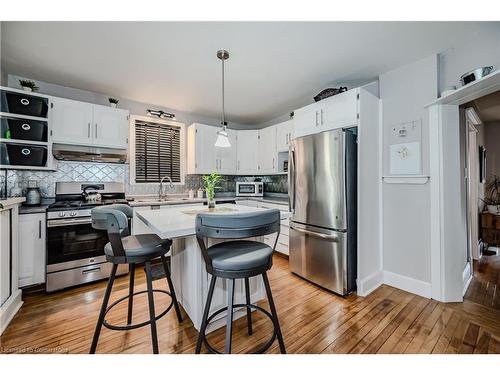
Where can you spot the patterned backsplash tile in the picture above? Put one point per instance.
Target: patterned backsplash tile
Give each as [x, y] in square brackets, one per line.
[106, 172]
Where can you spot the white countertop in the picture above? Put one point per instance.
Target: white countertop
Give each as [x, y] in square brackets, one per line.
[180, 221]
[152, 200]
[5, 204]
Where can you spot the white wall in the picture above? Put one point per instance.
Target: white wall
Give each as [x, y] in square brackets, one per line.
[3, 73]
[484, 50]
[406, 208]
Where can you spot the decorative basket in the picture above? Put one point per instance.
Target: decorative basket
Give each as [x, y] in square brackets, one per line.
[326, 93]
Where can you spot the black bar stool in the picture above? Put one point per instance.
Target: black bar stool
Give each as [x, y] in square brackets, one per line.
[238, 259]
[123, 248]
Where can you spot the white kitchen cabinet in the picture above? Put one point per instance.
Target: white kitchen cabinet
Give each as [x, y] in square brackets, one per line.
[339, 111]
[247, 146]
[71, 121]
[110, 127]
[306, 120]
[283, 239]
[225, 157]
[267, 150]
[31, 249]
[336, 112]
[284, 135]
[85, 124]
[201, 149]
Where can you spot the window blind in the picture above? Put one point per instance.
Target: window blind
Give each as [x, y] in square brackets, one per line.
[157, 152]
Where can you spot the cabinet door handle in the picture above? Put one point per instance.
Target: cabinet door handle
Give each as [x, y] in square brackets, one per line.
[95, 135]
[286, 139]
[39, 228]
[322, 117]
[273, 163]
[88, 131]
[238, 165]
[220, 163]
[317, 122]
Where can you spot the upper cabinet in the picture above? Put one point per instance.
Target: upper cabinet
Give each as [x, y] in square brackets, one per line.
[267, 150]
[225, 157]
[201, 149]
[247, 146]
[338, 111]
[284, 135]
[71, 121]
[86, 124]
[110, 127]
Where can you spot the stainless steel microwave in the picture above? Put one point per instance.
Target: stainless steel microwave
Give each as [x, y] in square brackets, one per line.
[249, 189]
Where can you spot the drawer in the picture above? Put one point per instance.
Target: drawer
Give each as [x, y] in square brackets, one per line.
[23, 104]
[283, 239]
[285, 229]
[282, 248]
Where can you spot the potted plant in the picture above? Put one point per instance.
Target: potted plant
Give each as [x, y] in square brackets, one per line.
[28, 85]
[211, 183]
[492, 199]
[113, 102]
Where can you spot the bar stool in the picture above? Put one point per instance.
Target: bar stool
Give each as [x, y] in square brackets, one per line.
[238, 259]
[124, 248]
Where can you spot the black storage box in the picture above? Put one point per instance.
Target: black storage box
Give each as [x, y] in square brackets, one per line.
[22, 104]
[26, 130]
[23, 155]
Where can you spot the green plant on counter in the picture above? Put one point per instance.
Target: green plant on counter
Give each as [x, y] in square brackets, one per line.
[211, 183]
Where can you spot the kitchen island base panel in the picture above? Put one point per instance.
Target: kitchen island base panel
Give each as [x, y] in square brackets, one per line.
[191, 283]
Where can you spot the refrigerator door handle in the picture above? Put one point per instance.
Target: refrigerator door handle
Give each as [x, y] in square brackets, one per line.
[291, 179]
[329, 237]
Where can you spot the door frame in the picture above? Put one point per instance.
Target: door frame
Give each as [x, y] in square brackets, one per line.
[448, 228]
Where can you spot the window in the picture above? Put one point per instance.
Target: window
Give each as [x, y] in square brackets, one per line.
[157, 152]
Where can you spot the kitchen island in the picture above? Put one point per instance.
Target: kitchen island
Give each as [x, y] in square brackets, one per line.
[190, 278]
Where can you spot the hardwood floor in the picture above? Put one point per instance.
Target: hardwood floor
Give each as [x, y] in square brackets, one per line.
[312, 320]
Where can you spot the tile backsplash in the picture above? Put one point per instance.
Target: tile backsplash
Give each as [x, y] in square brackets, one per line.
[106, 172]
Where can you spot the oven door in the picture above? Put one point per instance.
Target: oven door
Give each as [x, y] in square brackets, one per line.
[73, 239]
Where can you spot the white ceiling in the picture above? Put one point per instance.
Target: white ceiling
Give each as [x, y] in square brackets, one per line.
[274, 67]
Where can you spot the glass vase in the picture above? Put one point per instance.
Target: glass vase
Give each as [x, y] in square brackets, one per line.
[211, 202]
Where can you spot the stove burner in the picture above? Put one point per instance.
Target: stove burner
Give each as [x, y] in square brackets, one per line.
[81, 205]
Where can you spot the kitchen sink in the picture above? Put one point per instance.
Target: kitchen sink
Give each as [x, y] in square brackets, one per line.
[158, 200]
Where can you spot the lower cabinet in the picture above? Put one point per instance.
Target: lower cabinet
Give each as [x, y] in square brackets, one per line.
[32, 249]
[283, 240]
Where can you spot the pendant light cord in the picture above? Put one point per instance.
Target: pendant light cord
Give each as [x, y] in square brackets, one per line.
[223, 122]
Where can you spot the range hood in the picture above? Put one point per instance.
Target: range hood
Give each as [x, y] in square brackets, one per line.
[86, 153]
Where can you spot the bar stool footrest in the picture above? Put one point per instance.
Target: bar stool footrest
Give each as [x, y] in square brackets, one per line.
[137, 325]
[262, 349]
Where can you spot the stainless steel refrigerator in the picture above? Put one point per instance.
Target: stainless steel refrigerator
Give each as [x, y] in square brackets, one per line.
[323, 202]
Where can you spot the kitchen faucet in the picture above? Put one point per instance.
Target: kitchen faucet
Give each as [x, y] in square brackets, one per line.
[160, 190]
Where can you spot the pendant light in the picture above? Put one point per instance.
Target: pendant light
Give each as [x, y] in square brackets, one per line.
[222, 137]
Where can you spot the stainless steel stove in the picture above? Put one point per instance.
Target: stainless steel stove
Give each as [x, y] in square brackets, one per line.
[75, 250]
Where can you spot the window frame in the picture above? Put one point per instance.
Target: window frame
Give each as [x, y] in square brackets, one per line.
[131, 150]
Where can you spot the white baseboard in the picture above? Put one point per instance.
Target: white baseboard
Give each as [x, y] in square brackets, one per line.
[9, 310]
[408, 284]
[369, 284]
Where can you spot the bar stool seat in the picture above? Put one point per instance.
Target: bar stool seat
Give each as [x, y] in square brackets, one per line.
[240, 255]
[142, 245]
